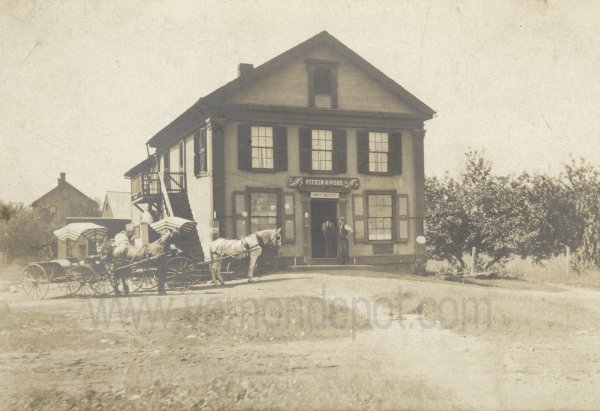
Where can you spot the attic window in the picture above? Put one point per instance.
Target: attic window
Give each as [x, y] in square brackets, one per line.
[322, 83]
[322, 80]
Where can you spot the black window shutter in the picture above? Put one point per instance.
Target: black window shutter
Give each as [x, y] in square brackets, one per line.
[281, 148]
[362, 151]
[244, 147]
[305, 150]
[395, 160]
[339, 151]
[196, 152]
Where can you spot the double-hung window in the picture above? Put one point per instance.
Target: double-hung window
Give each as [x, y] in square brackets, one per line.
[322, 150]
[378, 152]
[262, 147]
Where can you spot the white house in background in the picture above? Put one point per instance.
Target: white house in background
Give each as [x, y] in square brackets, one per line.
[117, 204]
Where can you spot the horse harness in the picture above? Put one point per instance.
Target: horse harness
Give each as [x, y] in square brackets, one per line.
[259, 240]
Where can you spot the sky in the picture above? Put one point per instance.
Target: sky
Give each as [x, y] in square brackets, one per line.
[83, 85]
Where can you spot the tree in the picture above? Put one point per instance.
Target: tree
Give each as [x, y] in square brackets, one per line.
[582, 183]
[448, 225]
[26, 232]
[527, 215]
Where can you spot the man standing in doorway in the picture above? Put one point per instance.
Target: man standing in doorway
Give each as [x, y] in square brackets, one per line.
[344, 230]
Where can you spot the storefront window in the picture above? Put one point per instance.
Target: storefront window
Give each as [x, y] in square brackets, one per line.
[263, 211]
[380, 216]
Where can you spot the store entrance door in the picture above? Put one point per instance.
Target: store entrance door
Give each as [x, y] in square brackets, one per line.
[323, 227]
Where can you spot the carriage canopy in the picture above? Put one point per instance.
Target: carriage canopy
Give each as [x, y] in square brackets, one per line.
[173, 224]
[73, 231]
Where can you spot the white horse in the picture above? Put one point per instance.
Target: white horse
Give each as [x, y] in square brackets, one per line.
[251, 245]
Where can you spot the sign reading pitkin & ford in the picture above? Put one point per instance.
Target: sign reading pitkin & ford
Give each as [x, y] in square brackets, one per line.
[333, 183]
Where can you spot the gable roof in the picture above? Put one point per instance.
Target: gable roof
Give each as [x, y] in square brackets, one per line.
[64, 184]
[144, 165]
[120, 204]
[201, 109]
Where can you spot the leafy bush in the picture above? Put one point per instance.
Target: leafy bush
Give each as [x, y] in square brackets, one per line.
[25, 231]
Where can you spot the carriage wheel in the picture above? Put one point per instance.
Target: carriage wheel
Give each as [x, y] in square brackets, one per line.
[36, 281]
[102, 283]
[77, 277]
[144, 279]
[180, 273]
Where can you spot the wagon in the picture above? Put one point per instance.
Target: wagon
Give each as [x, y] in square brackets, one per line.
[181, 271]
[71, 273]
[100, 274]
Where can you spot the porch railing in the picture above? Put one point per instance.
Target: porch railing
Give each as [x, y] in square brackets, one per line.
[148, 184]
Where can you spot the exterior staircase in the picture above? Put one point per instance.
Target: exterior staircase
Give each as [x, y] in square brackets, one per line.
[190, 241]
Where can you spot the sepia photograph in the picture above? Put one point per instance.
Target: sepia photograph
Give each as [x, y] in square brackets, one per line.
[300, 205]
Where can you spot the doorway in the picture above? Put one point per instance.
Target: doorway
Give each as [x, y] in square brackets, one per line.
[324, 244]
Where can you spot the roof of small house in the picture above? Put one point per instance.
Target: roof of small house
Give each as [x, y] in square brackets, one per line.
[64, 184]
[119, 203]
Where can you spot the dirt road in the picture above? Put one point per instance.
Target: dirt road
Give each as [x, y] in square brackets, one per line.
[427, 344]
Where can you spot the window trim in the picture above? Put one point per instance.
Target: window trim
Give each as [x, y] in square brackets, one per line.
[311, 65]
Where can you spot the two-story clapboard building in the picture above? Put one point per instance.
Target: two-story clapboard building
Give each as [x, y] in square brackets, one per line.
[313, 134]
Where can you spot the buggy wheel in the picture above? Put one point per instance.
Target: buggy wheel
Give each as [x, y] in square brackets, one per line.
[77, 277]
[180, 273]
[144, 279]
[36, 281]
[102, 283]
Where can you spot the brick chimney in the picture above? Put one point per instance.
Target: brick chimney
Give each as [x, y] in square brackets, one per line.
[62, 179]
[244, 68]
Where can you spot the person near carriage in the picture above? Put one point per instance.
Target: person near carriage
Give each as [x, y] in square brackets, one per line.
[344, 231]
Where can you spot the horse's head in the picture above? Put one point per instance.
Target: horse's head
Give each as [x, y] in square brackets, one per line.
[271, 238]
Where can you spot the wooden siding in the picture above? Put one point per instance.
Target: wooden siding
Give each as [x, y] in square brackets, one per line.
[288, 86]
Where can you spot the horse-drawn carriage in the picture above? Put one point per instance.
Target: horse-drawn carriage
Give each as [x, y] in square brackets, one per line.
[39, 276]
[118, 260]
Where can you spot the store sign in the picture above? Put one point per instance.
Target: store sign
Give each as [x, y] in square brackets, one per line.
[339, 184]
[320, 194]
